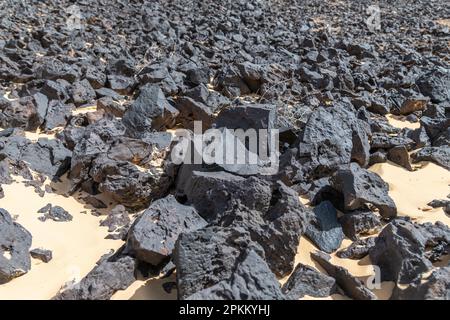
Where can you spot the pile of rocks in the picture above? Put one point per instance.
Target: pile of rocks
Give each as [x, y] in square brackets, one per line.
[230, 232]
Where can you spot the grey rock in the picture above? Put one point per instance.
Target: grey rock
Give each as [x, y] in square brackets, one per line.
[306, 280]
[400, 156]
[152, 236]
[251, 279]
[208, 256]
[359, 223]
[211, 192]
[352, 287]
[436, 287]
[15, 243]
[360, 186]
[399, 252]
[324, 229]
[438, 155]
[42, 254]
[108, 276]
[358, 249]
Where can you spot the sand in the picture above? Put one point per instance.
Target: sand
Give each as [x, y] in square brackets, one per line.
[150, 289]
[76, 245]
[412, 191]
[401, 122]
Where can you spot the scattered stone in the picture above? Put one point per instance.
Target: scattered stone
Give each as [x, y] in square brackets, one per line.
[438, 155]
[95, 202]
[306, 280]
[55, 213]
[118, 222]
[436, 287]
[251, 279]
[41, 254]
[358, 249]
[399, 252]
[400, 156]
[208, 256]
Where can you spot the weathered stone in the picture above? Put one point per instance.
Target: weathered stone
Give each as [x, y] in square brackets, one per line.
[352, 287]
[355, 224]
[152, 236]
[15, 243]
[399, 252]
[360, 186]
[42, 254]
[208, 256]
[110, 275]
[251, 279]
[358, 249]
[306, 280]
[400, 156]
[324, 229]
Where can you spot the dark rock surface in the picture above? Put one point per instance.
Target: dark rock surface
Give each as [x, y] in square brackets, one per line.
[324, 229]
[399, 251]
[152, 236]
[306, 280]
[352, 287]
[15, 243]
[110, 275]
[251, 279]
[360, 186]
[358, 249]
[208, 256]
[436, 287]
[55, 213]
[324, 74]
[118, 222]
[42, 254]
[359, 223]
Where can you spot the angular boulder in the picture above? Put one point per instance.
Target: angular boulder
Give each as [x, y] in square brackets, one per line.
[306, 280]
[324, 229]
[360, 186]
[15, 243]
[152, 236]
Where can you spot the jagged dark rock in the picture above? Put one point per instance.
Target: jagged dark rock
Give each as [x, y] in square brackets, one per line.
[324, 229]
[108, 276]
[359, 223]
[358, 249]
[251, 280]
[436, 287]
[306, 280]
[15, 243]
[359, 186]
[352, 287]
[208, 256]
[399, 252]
[118, 222]
[152, 236]
[42, 254]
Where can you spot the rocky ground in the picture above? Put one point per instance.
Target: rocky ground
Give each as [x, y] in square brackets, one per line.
[92, 91]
